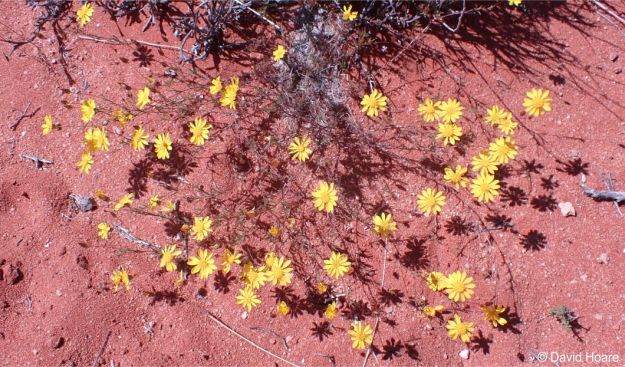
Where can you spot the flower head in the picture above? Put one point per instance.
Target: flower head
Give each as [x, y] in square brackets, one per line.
[48, 125]
[450, 110]
[85, 162]
[283, 308]
[485, 187]
[431, 311]
[330, 311]
[143, 97]
[537, 102]
[457, 176]
[125, 200]
[429, 110]
[384, 225]
[203, 263]
[216, 86]
[493, 313]
[348, 14]
[337, 265]
[514, 2]
[229, 95]
[199, 131]
[458, 329]
[430, 201]
[154, 201]
[300, 148]
[503, 149]
[436, 281]
[121, 116]
[485, 163]
[230, 258]
[162, 146]
[274, 231]
[248, 299]
[253, 277]
[280, 272]
[459, 286]
[279, 53]
[321, 288]
[84, 14]
[103, 231]
[449, 132]
[361, 337]
[120, 277]
[95, 139]
[87, 108]
[168, 206]
[168, 255]
[325, 197]
[373, 103]
[507, 126]
[202, 226]
[495, 115]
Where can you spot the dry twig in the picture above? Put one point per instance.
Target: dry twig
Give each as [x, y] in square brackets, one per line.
[39, 162]
[599, 195]
[22, 116]
[125, 233]
[97, 358]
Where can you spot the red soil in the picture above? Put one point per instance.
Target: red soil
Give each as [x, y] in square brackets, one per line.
[59, 308]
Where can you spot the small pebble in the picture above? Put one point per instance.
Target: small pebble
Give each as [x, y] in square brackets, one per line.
[464, 354]
[567, 209]
[603, 258]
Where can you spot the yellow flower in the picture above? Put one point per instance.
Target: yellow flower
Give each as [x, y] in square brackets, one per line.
[230, 258]
[202, 226]
[103, 231]
[330, 311]
[458, 329]
[283, 308]
[436, 281]
[503, 149]
[143, 97]
[484, 187]
[199, 131]
[254, 278]
[48, 125]
[337, 265]
[537, 102]
[162, 146]
[348, 14]
[449, 132]
[139, 139]
[101, 195]
[450, 110]
[125, 200]
[299, 148]
[203, 263]
[248, 299]
[229, 96]
[429, 110]
[121, 116]
[493, 313]
[384, 225]
[485, 163]
[361, 337]
[373, 103]
[216, 86]
[274, 231]
[459, 286]
[431, 311]
[325, 197]
[322, 288]
[495, 115]
[507, 126]
[85, 162]
[430, 201]
[280, 272]
[457, 176]
[168, 255]
[514, 2]
[84, 14]
[154, 200]
[95, 139]
[279, 53]
[87, 108]
[168, 207]
[120, 277]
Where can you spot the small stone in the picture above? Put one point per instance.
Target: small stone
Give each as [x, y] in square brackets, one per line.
[56, 342]
[428, 327]
[603, 258]
[567, 209]
[272, 341]
[613, 56]
[58, 293]
[245, 315]
[288, 338]
[464, 354]
[599, 316]
[445, 356]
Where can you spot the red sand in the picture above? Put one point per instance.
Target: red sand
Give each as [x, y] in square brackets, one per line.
[59, 308]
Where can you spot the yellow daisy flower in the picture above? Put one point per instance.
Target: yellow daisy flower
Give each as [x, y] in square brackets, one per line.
[337, 265]
[199, 131]
[450, 110]
[361, 337]
[143, 97]
[458, 329]
[162, 146]
[203, 263]
[325, 197]
[429, 110]
[485, 187]
[430, 201]
[279, 53]
[449, 132]
[84, 14]
[459, 287]
[248, 299]
[168, 255]
[300, 148]
[384, 225]
[373, 103]
[103, 231]
[537, 102]
[47, 126]
[493, 313]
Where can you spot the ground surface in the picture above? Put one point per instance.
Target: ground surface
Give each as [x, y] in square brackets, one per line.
[59, 308]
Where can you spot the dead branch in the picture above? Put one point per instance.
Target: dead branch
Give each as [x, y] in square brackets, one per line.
[125, 233]
[599, 195]
[97, 358]
[271, 332]
[39, 162]
[129, 42]
[22, 116]
[609, 11]
[377, 319]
